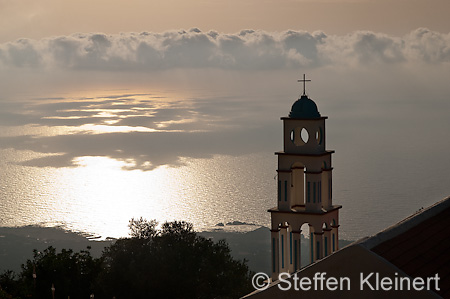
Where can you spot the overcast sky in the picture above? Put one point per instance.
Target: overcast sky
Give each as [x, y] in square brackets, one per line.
[43, 18]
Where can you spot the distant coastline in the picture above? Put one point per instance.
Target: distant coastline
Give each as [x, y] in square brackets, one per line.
[17, 244]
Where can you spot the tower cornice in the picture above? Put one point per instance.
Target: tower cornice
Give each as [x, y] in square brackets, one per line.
[319, 212]
[293, 118]
[325, 153]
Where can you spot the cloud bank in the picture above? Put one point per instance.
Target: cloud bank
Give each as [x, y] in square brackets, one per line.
[246, 50]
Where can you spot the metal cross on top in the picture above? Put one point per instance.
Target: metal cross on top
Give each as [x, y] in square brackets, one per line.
[304, 84]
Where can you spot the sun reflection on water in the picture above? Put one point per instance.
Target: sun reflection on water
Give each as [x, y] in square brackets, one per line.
[100, 129]
[99, 197]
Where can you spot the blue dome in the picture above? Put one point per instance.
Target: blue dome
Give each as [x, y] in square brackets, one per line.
[304, 108]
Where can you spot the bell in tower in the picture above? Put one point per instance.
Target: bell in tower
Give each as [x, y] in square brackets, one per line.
[304, 190]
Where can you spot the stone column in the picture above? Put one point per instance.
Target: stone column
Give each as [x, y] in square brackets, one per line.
[284, 250]
[275, 241]
[335, 233]
[327, 242]
[297, 254]
[318, 245]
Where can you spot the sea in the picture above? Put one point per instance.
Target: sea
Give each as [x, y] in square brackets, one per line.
[91, 163]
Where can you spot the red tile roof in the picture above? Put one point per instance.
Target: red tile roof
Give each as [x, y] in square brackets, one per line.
[423, 250]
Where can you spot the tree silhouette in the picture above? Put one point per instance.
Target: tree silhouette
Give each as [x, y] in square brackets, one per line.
[173, 262]
[142, 228]
[170, 262]
[71, 274]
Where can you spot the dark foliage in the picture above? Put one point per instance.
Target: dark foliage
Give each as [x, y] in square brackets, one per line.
[141, 228]
[8, 283]
[70, 274]
[171, 262]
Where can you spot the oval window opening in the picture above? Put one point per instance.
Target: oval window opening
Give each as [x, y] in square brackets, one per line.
[304, 135]
[319, 137]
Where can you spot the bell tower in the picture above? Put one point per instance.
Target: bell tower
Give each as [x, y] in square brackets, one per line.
[304, 190]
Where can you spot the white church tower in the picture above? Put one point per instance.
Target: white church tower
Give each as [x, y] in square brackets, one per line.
[304, 190]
